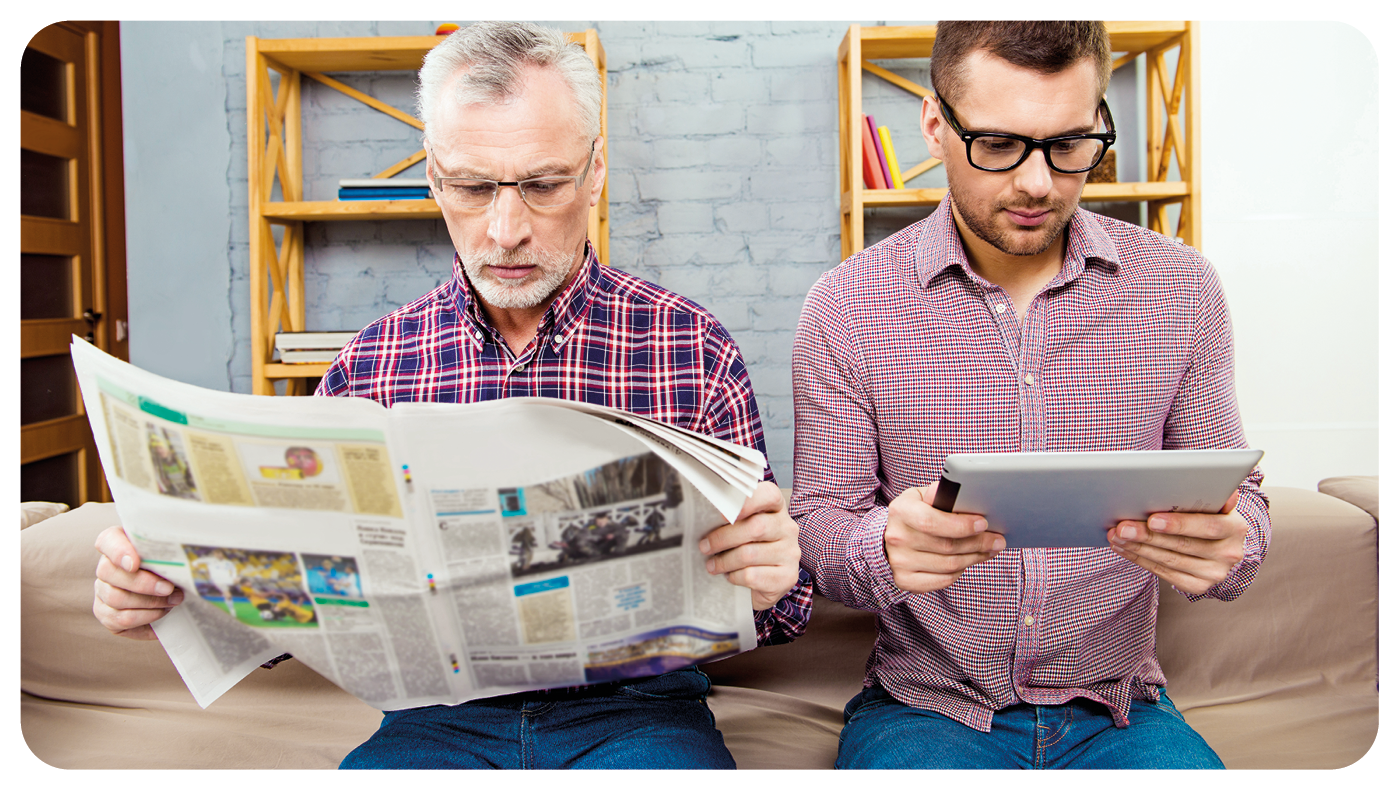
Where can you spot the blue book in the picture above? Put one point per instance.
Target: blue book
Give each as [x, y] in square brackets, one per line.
[385, 193]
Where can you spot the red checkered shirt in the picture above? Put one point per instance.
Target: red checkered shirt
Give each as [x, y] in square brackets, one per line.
[610, 338]
[903, 354]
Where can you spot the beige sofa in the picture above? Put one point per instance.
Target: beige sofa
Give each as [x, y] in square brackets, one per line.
[1285, 677]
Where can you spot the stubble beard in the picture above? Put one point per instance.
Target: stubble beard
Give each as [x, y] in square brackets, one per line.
[551, 269]
[1014, 241]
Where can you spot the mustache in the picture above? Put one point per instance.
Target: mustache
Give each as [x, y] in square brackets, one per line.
[519, 256]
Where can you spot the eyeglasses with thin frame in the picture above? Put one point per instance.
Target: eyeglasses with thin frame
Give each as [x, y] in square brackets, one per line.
[997, 152]
[537, 192]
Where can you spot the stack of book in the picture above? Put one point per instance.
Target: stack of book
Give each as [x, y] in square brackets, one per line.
[384, 189]
[881, 166]
[302, 347]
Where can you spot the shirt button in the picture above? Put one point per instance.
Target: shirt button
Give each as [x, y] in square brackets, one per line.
[558, 339]
[1029, 379]
[1028, 620]
[1001, 308]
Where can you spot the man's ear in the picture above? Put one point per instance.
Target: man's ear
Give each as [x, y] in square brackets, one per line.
[599, 175]
[934, 128]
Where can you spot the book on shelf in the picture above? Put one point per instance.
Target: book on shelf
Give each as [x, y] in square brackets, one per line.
[384, 189]
[891, 161]
[312, 341]
[384, 194]
[312, 355]
[883, 166]
[870, 165]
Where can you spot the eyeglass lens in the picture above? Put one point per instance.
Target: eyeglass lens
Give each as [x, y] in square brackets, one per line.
[1001, 152]
[538, 192]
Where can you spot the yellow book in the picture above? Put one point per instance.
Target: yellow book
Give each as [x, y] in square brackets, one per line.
[890, 158]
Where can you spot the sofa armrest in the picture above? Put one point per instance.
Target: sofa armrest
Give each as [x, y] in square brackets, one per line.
[1285, 676]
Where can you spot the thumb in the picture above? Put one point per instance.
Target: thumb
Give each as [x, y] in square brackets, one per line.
[927, 493]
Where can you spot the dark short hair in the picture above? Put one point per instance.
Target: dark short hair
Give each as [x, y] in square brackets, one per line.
[1046, 47]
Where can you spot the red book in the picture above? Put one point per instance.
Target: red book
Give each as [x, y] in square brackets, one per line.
[874, 176]
[884, 161]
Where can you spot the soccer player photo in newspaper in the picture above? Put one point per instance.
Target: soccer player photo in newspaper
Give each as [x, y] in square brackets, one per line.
[259, 588]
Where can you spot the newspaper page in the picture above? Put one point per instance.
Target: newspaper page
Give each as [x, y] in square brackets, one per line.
[425, 554]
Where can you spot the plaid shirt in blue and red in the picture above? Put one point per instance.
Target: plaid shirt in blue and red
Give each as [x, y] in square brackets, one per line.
[610, 339]
[904, 354]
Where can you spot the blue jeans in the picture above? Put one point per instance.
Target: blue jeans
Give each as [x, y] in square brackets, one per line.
[657, 722]
[882, 732]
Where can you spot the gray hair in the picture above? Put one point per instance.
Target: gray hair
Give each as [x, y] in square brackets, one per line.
[488, 57]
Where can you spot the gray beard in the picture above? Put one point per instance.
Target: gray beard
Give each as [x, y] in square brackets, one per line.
[551, 269]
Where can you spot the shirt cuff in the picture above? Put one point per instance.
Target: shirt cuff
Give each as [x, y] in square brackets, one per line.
[865, 556]
[787, 619]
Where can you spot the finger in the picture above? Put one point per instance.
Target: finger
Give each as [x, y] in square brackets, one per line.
[142, 581]
[915, 540]
[1200, 561]
[116, 546]
[117, 598]
[913, 514]
[767, 498]
[942, 564]
[130, 623]
[1178, 578]
[779, 554]
[1205, 526]
[765, 527]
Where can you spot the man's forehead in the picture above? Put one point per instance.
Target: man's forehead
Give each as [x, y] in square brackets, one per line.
[997, 93]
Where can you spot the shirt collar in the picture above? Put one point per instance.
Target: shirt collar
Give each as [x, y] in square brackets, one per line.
[562, 318]
[939, 246]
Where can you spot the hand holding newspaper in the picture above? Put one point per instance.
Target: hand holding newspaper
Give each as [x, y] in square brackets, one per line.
[424, 554]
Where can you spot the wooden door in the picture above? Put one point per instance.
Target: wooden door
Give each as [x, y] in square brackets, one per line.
[72, 248]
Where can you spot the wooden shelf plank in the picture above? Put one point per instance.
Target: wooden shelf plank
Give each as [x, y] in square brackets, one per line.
[1136, 190]
[284, 370]
[374, 53]
[333, 210]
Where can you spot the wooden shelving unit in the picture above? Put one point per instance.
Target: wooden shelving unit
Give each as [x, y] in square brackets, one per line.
[276, 271]
[1173, 124]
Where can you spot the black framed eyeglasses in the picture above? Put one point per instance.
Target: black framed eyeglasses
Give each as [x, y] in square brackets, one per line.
[998, 152]
[538, 192]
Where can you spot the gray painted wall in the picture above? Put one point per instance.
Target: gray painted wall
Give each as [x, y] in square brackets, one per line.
[176, 149]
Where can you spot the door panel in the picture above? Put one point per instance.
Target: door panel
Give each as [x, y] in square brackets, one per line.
[72, 257]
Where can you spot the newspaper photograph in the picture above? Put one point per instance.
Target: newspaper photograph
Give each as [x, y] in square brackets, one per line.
[425, 554]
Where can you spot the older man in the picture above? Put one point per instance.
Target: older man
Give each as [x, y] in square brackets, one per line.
[511, 115]
[1013, 320]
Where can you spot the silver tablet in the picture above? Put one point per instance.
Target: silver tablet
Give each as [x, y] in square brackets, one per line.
[1062, 500]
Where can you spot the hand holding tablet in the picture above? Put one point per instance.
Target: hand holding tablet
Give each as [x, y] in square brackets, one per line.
[986, 502]
[1065, 500]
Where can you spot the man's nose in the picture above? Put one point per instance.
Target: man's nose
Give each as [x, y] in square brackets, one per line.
[1034, 176]
[510, 219]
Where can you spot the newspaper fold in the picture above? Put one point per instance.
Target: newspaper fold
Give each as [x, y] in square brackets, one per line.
[425, 554]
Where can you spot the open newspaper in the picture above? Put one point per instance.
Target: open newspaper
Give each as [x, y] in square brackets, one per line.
[424, 554]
